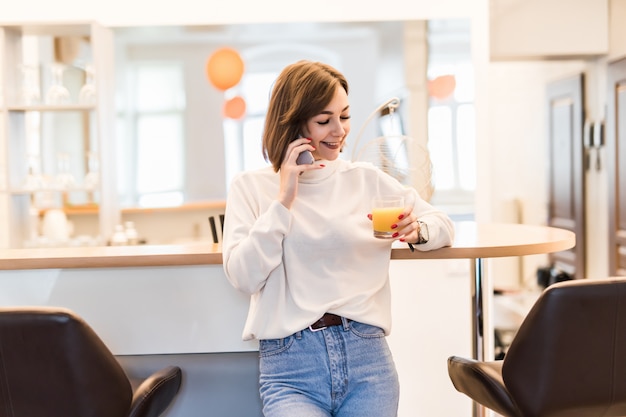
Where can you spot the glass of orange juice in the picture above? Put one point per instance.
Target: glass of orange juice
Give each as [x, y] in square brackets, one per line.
[385, 212]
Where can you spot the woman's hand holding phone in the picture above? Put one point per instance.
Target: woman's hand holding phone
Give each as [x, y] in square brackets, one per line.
[289, 172]
[305, 157]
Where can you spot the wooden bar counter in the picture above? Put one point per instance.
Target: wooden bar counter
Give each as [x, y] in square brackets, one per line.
[472, 241]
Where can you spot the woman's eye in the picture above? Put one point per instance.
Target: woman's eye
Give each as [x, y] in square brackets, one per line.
[325, 122]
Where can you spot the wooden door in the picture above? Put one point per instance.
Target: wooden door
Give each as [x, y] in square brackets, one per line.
[616, 165]
[567, 174]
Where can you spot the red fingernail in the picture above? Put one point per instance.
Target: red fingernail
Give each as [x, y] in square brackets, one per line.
[400, 217]
[395, 234]
[402, 240]
[322, 165]
[369, 216]
[393, 226]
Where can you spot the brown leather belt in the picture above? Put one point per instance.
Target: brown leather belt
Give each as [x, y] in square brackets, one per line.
[327, 320]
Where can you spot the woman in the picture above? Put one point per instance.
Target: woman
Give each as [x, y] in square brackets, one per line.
[298, 239]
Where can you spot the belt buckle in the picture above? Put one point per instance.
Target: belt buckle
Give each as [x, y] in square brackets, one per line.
[318, 329]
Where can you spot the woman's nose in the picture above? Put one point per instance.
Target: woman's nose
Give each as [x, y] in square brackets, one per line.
[338, 129]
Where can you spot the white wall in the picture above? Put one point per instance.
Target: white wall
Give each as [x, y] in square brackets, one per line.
[189, 12]
[431, 322]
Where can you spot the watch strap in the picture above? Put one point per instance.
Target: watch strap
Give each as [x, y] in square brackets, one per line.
[422, 234]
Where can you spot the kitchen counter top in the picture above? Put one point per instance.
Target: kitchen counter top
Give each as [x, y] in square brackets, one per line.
[473, 240]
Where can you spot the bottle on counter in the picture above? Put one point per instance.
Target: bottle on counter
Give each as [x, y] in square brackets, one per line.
[131, 233]
[33, 224]
[119, 236]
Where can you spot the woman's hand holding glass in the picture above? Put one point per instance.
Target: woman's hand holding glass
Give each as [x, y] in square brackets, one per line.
[408, 228]
[404, 228]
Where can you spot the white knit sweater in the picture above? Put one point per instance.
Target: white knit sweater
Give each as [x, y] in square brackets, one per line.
[320, 256]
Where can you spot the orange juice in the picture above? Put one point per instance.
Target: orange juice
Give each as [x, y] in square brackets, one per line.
[385, 212]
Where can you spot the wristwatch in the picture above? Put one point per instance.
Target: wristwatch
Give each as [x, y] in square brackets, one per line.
[422, 233]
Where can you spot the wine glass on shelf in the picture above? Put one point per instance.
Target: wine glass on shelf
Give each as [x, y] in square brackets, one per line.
[64, 178]
[30, 93]
[93, 176]
[34, 180]
[57, 94]
[88, 91]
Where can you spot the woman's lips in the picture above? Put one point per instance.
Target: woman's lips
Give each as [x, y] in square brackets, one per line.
[332, 145]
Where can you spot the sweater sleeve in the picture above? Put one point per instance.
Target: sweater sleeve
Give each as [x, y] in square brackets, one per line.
[252, 238]
[440, 226]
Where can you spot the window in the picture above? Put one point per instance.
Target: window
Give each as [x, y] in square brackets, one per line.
[153, 170]
[451, 119]
[243, 138]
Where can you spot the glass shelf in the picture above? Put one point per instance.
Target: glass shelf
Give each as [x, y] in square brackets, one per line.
[32, 127]
[18, 191]
[49, 108]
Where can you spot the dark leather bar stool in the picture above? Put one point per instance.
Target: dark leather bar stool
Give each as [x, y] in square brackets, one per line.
[53, 364]
[568, 358]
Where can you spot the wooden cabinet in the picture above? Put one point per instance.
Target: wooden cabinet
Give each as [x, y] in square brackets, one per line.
[56, 125]
[538, 29]
[617, 29]
[565, 104]
[616, 165]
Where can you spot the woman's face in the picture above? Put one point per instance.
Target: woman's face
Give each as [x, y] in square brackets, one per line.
[328, 130]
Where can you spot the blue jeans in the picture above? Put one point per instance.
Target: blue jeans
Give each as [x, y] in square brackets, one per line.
[341, 371]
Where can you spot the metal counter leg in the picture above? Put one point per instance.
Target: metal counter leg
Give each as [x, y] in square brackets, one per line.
[482, 326]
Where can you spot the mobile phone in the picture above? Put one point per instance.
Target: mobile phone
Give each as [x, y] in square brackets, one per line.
[305, 158]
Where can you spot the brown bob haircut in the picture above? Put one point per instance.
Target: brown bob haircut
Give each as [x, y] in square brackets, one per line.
[301, 91]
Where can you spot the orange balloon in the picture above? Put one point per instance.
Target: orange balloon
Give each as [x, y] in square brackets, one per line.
[442, 87]
[235, 108]
[224, 68]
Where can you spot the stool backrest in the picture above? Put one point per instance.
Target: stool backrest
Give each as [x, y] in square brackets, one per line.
[53, 364]
[569, 356]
